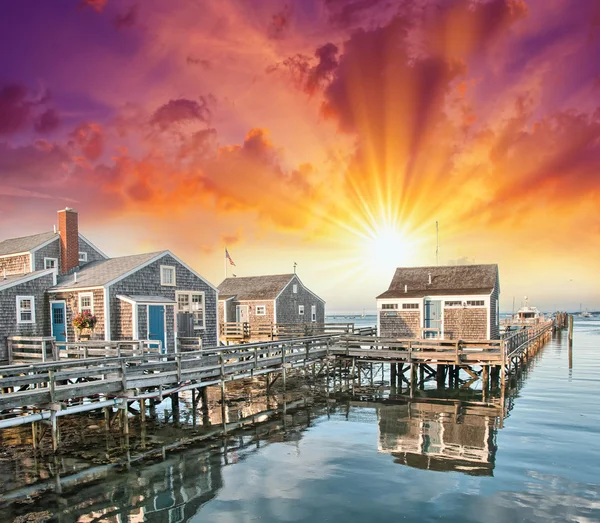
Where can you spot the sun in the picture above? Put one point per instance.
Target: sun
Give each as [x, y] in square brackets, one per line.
[387, 247]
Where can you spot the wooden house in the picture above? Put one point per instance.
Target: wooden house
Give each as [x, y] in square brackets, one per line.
[454, 302]
[46, 279]
[274, 299]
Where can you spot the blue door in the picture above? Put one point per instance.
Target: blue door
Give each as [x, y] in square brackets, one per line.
[433, 318]
[156, 323]
[59, 327]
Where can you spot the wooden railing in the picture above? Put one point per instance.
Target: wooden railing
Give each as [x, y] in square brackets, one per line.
[31, 347]
[189, 344]
[273, 331]
[46, 348]
[58, 381]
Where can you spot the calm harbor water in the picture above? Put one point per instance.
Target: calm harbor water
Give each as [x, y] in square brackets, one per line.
[372, 456]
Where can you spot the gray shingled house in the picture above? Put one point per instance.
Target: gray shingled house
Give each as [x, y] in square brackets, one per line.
[153, 296]
[454, 302]
[259, 300]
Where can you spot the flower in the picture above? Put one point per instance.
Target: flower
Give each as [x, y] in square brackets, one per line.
[84, 320]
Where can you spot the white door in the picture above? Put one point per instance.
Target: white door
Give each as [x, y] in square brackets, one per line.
[313, 313]
[241, 313]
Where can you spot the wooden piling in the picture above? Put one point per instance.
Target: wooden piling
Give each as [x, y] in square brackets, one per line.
[393, 370]
[570, 330]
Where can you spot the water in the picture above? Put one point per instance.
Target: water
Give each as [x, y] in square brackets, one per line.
[368, 457]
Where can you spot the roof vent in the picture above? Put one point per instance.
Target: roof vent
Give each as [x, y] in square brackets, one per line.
[54, 228]
[74, 277]
[405, 289]
[4, 273]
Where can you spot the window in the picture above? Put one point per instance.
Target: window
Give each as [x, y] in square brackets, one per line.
[86, 302]
[475, 303]
[301, 310]
[295, 288]
[410, 305]
[389, 306]
[50, 263]
[25, 309]
[192, 303]
[456, 303]
[167, 275]
[261, 310]
[83, 256]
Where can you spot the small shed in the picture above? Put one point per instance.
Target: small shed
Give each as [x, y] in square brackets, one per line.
[453, 302]
[272, 299]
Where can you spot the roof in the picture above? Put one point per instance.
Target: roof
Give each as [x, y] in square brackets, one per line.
[25, 243]
[16, 279]
[145, 299]
[451, 280]
[254, 287]
[99, 273]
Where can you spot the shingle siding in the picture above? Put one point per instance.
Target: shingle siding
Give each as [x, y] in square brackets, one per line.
[15, 264]
[8, 306]
[92, 254]
[494, 314]
[146, 281]
[400, 324]
[72, 309]
[288, 304]
[123, 318]
[52, 250]
[465, 323]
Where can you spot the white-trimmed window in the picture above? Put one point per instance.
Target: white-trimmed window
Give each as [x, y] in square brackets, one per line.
[25, 309]
[410, 305]
[261, 310]
[192, 302]
[83, 256]
[167, 275]
[453, 303]
[295, 288]
[388, 306]
[301, 310]
[475, 303]
[86, 302]
[50, 263]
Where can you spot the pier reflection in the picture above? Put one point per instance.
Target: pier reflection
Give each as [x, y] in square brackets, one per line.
[441, 435]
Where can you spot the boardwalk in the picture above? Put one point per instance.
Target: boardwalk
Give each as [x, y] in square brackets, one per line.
[34, 392]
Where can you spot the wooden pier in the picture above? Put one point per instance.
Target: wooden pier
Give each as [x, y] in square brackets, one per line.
[47, 390]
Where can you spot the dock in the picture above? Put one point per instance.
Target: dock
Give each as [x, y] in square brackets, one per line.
[44, 391]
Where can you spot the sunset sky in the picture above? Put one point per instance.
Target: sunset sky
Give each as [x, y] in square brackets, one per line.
[331, 133]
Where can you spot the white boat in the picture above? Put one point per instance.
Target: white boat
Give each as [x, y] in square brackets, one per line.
[586, 314]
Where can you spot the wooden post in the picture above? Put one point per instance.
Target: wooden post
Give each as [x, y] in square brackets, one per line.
[34, 435]
[125, 416]
[392, 374]
[440, 375]
[421, 376]
[9, 343]
[485, 377]
[450, 376]
[55, 429]
[570, 330]
[43, 343]
[175, 406]
[223, 407]
[413, 378]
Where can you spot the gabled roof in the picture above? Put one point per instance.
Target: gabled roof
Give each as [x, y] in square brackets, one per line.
[99, 273]
[451, 280]
[17, 279]
[254, 287]
[25, 243]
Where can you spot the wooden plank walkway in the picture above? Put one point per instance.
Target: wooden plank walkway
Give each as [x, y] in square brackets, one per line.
[41, 384]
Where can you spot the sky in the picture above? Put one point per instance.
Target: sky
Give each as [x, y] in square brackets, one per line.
[333, 134]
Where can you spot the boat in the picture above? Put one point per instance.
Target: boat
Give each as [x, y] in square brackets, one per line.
[528, 315]
[586, 314]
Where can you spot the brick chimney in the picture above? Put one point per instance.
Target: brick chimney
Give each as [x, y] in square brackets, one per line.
[69, 239]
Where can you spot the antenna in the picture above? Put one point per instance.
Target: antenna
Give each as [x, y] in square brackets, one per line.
[437, 243]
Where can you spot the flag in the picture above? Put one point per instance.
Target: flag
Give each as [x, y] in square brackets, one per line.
[227, 257]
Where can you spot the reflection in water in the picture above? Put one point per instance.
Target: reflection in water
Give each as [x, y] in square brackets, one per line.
[439, 435]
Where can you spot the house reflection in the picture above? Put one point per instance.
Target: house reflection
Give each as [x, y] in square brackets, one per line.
[442, 435]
